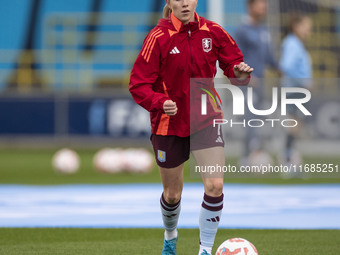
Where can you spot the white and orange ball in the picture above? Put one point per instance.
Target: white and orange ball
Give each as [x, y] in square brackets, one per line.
[66, 161]
[109, 160]
[237, 246]
[138, 160]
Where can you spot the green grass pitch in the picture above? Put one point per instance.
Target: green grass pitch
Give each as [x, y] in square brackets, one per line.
[149, 241]
[33, 167]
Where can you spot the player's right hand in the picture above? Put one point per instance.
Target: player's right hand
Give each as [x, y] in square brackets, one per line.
[170, 108]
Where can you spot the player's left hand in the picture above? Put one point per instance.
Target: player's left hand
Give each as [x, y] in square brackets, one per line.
[242, 71]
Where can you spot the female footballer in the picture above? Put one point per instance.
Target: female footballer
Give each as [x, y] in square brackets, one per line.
[183, 46]
[297, 69]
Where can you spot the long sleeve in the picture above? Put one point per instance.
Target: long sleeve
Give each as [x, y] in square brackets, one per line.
[145, 73]
[241, 40]
[229, 55]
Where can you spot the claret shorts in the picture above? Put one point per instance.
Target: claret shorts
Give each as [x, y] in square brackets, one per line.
[172, 151]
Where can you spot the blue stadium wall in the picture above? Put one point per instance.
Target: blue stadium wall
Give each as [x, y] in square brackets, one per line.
[14, 14]
[113, 116]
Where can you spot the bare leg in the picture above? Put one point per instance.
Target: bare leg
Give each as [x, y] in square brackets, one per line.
[213, 183]
[172, 179]
[212, 204]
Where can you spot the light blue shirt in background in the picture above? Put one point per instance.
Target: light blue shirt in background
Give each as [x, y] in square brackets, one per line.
[295, 63]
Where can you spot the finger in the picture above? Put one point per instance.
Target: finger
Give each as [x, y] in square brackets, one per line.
[242, 69]
[246, 69]
[170, 108]
[172, 112]
[249, 70]
[168, 104]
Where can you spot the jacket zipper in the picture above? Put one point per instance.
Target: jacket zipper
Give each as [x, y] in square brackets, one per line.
[191, 60]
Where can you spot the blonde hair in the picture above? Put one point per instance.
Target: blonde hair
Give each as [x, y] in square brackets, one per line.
[166, 11]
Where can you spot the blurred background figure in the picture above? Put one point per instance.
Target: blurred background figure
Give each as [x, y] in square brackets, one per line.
[254, 40]
[296, 65]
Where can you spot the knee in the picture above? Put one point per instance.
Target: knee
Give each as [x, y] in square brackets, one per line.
[172, 196]
[214, 188]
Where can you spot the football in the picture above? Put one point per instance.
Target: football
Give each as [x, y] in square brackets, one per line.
[138, 160]
[66, 161]
[109, 160]
[236, 246]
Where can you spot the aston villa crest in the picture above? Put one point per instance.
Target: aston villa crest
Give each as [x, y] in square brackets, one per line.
[207, 44]
[161, 155]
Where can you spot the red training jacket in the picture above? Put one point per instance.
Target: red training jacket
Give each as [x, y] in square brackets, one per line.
[171, 55]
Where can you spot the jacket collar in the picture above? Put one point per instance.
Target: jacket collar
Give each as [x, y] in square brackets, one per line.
[179, 25]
